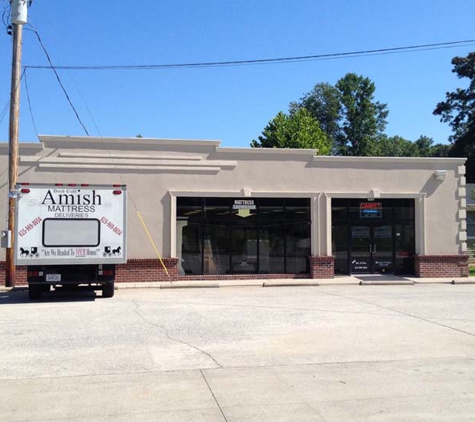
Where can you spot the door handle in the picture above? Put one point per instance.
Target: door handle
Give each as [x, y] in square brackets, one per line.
[374, 247]
[370, 250]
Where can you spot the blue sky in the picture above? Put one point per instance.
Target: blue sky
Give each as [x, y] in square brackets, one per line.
[232, 104]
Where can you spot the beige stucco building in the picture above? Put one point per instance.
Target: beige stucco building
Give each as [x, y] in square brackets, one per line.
[217, 212]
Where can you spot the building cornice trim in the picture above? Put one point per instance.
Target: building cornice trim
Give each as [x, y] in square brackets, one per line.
[267, 151]
[416, 160]
[71, 140]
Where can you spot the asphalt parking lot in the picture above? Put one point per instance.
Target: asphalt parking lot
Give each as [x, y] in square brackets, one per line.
[327, 353]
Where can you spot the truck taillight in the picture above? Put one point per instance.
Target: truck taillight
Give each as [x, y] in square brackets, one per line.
[25, 184]
[25, 190]
[58, 184]
[117, 192]
[84, 185]
[33, 273]
[72, 184]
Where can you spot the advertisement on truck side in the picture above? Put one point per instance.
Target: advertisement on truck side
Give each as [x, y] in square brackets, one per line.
[70, 225]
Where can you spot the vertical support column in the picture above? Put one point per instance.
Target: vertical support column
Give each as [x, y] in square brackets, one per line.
[173, 239]
[316, 232]
[328, 225]
[420, 224]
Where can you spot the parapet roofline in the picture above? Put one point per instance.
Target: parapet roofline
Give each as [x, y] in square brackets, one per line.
[137, 141]
[215, 145]
[5, 146]
[339, 158]
[269, 151]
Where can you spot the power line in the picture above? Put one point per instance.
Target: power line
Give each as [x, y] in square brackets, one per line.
[29, 105]
[59, 81]
[6, 18]
[4, 110]
[85, 104]
[381, 51]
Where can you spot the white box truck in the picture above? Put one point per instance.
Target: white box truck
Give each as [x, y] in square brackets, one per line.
[70, 235]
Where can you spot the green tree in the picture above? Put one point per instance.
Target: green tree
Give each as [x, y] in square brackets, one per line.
[364, 119]
[458, 110]
[396, 146]
[441, 150]
[323, 103]
[297, 130]
[424, 146]
[348, 113]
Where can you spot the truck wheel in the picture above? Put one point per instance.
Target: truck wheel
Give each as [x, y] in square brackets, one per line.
[108, 290]
[34, 292]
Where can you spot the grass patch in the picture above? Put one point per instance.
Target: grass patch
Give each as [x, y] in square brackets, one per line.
[472, 271]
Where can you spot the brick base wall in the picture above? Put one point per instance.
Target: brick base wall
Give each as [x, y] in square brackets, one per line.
[240, 277]
[149, 270]
[434, 266]
[322, 266]
[20, 275]
[137, 270]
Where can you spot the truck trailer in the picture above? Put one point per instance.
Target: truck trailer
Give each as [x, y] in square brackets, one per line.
[70, 236]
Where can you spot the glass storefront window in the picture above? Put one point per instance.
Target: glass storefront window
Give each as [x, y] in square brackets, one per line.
[403, 209]
[471, 224]
[271, 249]
[189, 249]
[376, 235]
[244, 250]
[216, 248]
[340, 246]
[471, 246]
[297, 248]
[243, 236]
[215, 209]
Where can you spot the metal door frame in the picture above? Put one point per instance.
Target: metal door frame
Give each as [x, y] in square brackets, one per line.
[371, 253]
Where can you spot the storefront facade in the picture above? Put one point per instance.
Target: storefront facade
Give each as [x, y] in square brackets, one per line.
[374, 236]
[219, 213]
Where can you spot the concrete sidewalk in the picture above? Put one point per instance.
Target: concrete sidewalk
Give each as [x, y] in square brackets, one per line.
[360, 279]
[338, 280]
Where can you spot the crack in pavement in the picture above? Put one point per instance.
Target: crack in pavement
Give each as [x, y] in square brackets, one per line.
[402, 313]
[164, 330]
[280, 308]
[289, 365]
[214, 397]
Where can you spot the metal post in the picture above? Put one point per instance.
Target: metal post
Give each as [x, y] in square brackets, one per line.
[13, 152]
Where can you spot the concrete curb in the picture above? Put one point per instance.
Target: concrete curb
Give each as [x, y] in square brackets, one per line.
[387, 283]
[287, 283]
[190, 285]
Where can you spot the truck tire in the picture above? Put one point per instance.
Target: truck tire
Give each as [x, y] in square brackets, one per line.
[34, 292]
[108, 290]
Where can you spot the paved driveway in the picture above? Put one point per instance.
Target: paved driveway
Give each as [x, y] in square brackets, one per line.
[328, 353]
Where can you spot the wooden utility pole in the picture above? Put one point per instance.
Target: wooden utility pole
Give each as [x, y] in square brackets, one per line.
[19, 9]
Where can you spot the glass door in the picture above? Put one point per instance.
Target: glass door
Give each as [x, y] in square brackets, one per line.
[382, 248]
[371, 249]
[360, 261]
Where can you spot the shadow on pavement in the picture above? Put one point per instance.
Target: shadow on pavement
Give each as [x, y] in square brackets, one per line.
[20, 295]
